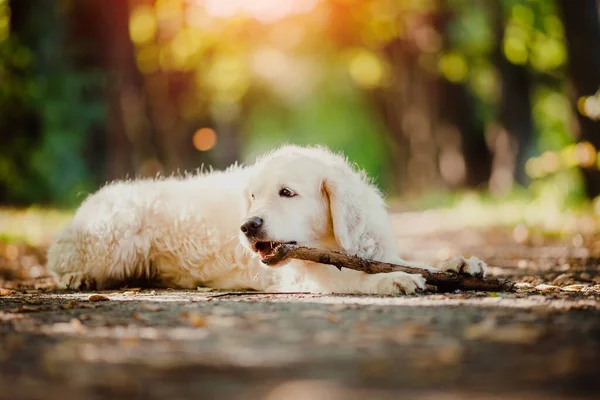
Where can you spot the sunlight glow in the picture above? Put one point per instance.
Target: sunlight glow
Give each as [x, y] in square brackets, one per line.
[275, 67]
[262, 10]
[228, 78]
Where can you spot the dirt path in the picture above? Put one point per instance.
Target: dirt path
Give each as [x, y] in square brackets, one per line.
[535, 343]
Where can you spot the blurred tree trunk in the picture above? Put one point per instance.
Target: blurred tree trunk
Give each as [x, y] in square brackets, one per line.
[173, 135]
[457, 114]
[406, 103]
[515, 113]
[146, 132]
[582, 31]
[457, 117]
[431, 120]
[19, 121]
[390, 105]
[129, 139]
[408, 108]
[511, 142]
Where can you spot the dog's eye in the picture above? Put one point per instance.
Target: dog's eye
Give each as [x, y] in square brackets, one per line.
[285, 192]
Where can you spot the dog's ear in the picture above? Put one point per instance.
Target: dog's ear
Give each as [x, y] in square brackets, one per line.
[346, 211]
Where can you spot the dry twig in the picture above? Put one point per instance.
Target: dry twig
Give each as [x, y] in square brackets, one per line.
[249, 293]
[444, 281]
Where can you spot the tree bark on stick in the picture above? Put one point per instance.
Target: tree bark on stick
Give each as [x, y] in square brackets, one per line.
[445, 281]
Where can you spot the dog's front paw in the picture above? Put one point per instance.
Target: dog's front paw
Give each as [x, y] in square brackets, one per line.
[398, 283]
[74, 280]
[470, 266]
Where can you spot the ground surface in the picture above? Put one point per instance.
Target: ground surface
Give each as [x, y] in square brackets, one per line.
[541, 341]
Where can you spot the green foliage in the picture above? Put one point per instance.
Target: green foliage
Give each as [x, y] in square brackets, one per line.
[65, 118]
[48, 111]
[339, 118]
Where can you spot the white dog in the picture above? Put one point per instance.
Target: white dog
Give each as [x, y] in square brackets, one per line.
[213, 229]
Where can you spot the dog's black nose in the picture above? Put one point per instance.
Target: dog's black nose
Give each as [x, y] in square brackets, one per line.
[251, 226]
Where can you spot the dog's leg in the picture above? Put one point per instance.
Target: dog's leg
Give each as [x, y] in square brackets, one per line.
[393, 283]
[321, 278]
[471, 266]
[328, 279]
[459, 264]
[94, 257]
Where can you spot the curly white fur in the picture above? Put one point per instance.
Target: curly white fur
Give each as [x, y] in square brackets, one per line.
[185, 232]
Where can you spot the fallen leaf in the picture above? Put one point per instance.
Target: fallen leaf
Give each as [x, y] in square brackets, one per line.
[522, 334]
[544, 288]
[320, 314]
[480, 329]
[450, 354]
[488, 329]
[408, 332]
[77, 325]
[523, 285]
[592, 289]
[152, 307]
[375, 367]
[98, 297]
[129, 341]
[6, 292]
[563, 279]
[73, 326]
[328, 337]
[446, 355]
[27, 308]
[573, 288]
[520, 234]
[333, 318]
[69, 305]
[138, 316]
[195, 319]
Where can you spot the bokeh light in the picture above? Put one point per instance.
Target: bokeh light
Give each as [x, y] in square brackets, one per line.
[366, 69]
[454, 67]
[4, 20]
[585, 153]
[204, 139]
[142, 24]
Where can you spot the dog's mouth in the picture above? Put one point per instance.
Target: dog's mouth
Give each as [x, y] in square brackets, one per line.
[266, 249]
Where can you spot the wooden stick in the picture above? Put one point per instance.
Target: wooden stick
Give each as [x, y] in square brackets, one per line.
[249, 293]
[445, 281]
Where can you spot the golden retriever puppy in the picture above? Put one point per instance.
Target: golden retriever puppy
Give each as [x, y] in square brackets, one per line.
[213, 229]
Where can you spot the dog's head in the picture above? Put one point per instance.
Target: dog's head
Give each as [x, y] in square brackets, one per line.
[311, 197]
